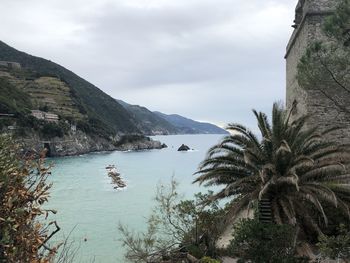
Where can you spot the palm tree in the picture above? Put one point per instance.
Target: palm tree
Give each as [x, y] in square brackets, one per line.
[292, 166]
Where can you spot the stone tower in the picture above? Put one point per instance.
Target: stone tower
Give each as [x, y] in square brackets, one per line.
[309, 17]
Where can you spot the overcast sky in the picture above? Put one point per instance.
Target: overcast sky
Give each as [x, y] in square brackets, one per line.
[210, 60]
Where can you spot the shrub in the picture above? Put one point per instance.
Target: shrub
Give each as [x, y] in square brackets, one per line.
[23, 191]
[209, 260]
[131, 139]
[51, 130]
[175, 225]
[336, 246]
[260, 242]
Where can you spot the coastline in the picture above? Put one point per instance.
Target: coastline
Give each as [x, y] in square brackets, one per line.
[81, 143]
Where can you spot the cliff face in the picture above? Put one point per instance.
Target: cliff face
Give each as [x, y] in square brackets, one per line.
[81, 143]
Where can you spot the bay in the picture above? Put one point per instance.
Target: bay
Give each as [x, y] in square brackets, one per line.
[87, 203]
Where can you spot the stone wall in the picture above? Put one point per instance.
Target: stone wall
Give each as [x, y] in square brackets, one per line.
[322, 111]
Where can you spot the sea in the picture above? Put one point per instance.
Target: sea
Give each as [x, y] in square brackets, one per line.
[89, 209]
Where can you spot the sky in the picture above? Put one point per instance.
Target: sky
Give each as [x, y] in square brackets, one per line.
[210, 60]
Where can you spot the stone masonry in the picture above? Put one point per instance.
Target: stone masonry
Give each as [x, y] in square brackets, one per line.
[309, 18]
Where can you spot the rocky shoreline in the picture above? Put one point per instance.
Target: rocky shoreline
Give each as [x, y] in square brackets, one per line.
[81, 143]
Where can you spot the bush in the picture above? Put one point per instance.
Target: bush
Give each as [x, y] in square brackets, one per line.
[23, 191]
[175, 225]
[131, 138]
[209, 260]
[336, 246]
[51, 130]
[260, 243]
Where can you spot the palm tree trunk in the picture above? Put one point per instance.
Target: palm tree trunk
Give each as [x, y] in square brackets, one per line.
[265, 210]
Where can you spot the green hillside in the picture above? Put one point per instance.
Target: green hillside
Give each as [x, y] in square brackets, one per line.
[12, 99]
[147, 121]
[153, 123]
[102, 111]
[188, 126]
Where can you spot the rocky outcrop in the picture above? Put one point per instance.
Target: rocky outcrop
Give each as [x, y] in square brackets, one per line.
[117, 181]
[141, 144]
[81, 143]
[183, 148]
[76, 144]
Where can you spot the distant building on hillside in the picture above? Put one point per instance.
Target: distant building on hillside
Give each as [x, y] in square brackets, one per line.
[38, 114]
[73, 128]
[10, 64]
[46, 116]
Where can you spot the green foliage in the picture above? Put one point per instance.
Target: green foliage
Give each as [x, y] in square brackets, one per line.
[325, 68]
[173, 226]
[209, 260]
[338, 25]
[12, 99]
[5, 122]
[263, 243]
[325, 65]
[148, 121]
[131, 138]
[51, 130]
[95, 127]
[291, 164]
[44, 108]
[336, 246]
[23, 191]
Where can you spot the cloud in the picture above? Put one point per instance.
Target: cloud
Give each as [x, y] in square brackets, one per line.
[209, 60]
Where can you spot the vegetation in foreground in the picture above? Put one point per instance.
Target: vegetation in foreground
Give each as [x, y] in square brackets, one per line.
[300, 173]
[292, 166]
[23, 191]
[303, 177]
[175, 228]
[263, 242]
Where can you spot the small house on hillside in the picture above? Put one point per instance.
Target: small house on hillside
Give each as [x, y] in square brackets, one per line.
[10, 65]
[46, 116]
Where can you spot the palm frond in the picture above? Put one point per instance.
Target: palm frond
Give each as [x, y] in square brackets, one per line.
[294, 165]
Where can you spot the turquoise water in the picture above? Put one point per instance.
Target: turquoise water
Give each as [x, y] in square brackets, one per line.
[87, 202]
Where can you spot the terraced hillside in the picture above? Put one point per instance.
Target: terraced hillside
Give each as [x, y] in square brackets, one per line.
[101, 111]
[48, 93]
[54, 95]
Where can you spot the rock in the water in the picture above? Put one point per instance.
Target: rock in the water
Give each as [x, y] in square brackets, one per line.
[116, 178]
[138, 143]
[164, 146]
[184, 148]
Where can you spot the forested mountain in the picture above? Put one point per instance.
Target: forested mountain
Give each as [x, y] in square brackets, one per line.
[148, 122]
[102, 113]
[188, 126]
[39, 84]
[160, 123]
